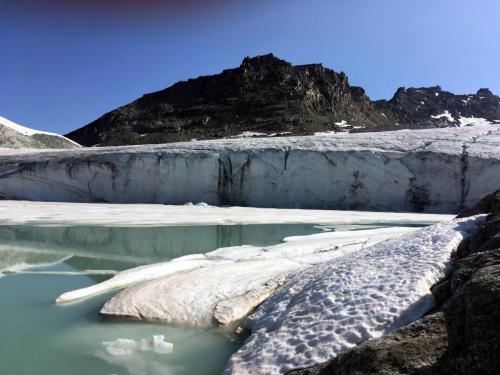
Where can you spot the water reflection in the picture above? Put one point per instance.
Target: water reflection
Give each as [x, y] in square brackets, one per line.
[117, 248]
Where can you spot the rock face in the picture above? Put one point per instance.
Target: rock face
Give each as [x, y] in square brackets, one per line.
[266, 95]
[13, 135]
[328, 172]
[462, 336]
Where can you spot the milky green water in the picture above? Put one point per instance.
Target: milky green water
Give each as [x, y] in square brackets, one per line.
[39, 338]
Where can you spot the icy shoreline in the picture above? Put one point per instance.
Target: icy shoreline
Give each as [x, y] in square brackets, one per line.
[325, 310]
[319, 295]
[386, 171]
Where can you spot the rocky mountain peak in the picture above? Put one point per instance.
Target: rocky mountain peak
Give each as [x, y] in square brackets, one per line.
[267, 95]
[264, 62]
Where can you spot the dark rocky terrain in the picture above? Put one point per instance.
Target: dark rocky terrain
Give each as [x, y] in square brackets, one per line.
[269, 95]
[462, 335]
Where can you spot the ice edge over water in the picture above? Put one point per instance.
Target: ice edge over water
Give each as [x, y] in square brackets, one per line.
[325, 310]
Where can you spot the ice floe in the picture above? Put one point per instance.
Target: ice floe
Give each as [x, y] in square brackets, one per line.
[326, 309]
[121, 346]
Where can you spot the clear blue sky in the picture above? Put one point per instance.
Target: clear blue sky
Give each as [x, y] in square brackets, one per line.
[62, 67]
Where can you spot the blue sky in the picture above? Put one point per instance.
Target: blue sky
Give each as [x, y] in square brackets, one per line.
[62, 68]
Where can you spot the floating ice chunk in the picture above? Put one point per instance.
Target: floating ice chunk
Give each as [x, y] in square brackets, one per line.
[124, 347]
[120, 346]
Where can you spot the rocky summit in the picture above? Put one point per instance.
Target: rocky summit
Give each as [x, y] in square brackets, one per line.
[267, 96]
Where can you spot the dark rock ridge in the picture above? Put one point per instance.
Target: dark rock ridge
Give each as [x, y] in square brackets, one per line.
[462, 335]
[268, 95]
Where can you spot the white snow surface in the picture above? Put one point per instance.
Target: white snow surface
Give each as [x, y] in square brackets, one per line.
[22, 129]
[327, 309]
[447, 115]
[473, 121]
[59, 213]
[383, 171]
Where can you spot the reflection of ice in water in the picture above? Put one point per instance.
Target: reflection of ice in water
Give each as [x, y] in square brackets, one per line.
[101, 247]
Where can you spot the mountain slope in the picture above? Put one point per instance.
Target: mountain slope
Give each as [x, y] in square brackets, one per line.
[266, 95]
[13, 135]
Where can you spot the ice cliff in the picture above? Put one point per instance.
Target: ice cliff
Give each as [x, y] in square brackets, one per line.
[433, 170]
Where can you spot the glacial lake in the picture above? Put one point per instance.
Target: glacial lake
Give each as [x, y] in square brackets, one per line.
[39, 337]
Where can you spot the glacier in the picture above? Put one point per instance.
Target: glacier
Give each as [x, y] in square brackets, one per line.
[383, 171]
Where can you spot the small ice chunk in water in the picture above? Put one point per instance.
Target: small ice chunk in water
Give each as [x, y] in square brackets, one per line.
[161, 346]
[123, 347]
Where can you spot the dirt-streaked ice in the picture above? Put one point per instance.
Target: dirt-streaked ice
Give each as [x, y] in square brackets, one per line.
[383, 171]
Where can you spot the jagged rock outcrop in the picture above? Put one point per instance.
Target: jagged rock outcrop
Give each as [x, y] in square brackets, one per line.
[462, 335]
[266, 95]
[433, 107]
[13, 135]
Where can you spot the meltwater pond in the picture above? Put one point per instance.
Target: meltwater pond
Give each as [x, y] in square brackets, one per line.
[39, 337]
[39, 262]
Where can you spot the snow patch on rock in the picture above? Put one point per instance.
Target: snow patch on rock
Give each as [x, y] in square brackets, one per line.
[446, 115]
[473, 121]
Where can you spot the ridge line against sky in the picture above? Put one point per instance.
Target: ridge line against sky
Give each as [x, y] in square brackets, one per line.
[63, 67]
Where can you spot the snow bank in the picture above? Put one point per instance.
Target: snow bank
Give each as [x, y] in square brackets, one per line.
[327, 309]
[384, 171]
[38, 213]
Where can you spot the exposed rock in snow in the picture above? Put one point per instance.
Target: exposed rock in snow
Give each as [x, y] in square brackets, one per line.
[324, 310]
[13, 135]
[342, 171]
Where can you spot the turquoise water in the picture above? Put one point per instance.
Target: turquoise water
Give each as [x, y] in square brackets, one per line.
[40, 338]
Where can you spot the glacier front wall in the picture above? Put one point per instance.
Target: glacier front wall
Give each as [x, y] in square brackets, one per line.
[409, 174]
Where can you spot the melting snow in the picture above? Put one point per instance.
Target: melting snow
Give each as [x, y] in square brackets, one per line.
[472, 121]
[325, 310]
